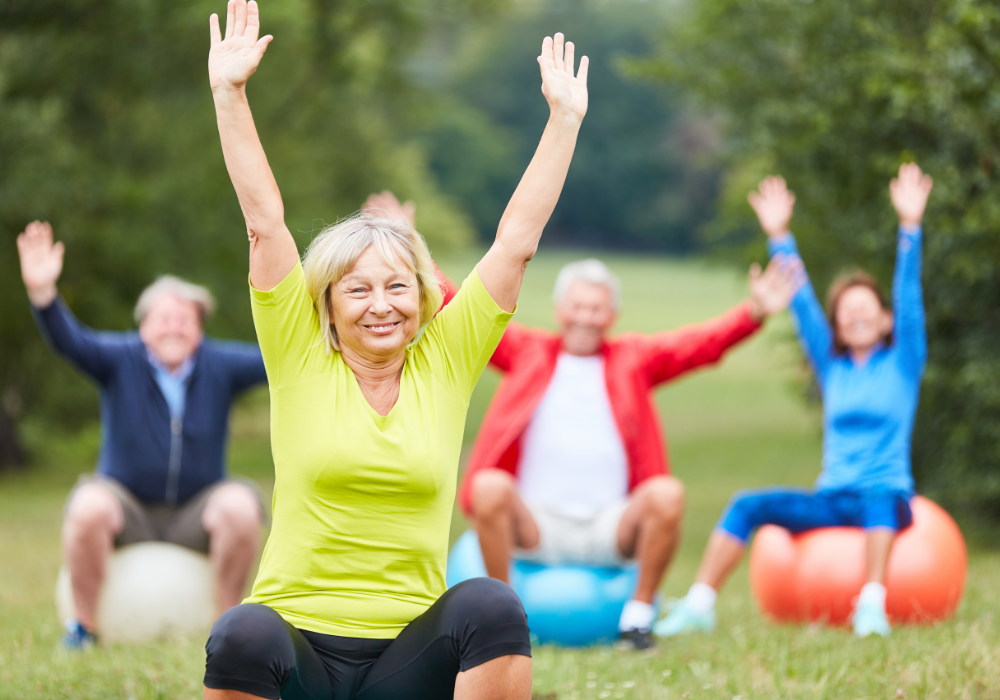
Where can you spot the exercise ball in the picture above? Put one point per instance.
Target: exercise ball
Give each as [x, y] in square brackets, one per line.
[152, 589]
[569, 605]
[815, 576]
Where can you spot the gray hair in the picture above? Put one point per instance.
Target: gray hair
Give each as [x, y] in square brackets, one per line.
[590, 270]
[169, 285]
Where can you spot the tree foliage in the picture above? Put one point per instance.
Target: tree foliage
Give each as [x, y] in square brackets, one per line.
[834, 95]
[639, 178]
[107, 129]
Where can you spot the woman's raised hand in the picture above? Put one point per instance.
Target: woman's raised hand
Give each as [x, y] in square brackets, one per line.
[565, 93]
[773, 203]
[232, 60]
[41, 262]
[909, 193]
[772, 290]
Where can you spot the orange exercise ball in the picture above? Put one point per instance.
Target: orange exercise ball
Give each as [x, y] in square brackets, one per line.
[815, 576]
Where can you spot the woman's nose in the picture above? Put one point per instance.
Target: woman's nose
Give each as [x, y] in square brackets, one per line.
[381, 305]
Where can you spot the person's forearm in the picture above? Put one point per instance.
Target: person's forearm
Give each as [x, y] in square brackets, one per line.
[538, 192]
[907, 288]
[248, 169]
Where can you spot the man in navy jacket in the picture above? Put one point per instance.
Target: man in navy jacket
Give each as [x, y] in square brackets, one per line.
[165, 392]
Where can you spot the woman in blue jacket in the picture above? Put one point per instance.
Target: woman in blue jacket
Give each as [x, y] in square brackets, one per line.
[868, 359]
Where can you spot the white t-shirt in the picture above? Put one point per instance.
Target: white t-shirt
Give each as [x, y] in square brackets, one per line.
[572, 456]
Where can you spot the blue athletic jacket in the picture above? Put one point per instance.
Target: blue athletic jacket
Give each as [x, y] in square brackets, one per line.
[868, 411]
[158, 459]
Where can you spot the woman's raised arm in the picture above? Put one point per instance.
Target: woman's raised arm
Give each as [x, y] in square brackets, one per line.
[774, 204]
[231, 62]
[502, 268]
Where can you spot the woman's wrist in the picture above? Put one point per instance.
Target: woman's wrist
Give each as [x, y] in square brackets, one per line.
[565, 119]
[229, 93]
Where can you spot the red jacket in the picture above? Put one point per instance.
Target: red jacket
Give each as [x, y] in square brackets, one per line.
[634, 364]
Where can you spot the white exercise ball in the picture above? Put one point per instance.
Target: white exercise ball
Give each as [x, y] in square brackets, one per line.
[152, 589]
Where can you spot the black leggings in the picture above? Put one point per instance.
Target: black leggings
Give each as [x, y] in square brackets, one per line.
[253, 650]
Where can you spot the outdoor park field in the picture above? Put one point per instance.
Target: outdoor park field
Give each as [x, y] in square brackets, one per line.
[745, 424]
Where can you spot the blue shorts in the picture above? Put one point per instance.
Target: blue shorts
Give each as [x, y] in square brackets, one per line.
[799, 510]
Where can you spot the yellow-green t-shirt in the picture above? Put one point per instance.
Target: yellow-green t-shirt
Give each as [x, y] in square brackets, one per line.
[362, 502]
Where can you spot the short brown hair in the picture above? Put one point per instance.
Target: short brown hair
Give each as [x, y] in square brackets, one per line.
[841, 284]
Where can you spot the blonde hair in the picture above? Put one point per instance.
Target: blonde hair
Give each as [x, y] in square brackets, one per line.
[175, 287]
[335, 250]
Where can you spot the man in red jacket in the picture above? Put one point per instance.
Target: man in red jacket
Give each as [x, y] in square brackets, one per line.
[569, 464]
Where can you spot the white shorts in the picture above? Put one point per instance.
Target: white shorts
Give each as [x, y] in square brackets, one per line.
[568, 539]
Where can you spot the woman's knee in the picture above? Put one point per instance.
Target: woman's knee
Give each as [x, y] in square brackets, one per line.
[746, 503]
[742, 515]
[487, 603]
[247, 636]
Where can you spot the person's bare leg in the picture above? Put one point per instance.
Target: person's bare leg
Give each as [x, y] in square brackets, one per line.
[503, 678]
[232, 518]
[722, 556]
[216, 694]
[878, 547]
[502, 521]
[650, 529]
[93, 518]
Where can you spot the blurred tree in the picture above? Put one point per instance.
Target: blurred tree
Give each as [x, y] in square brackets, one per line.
[834, 95]
[107, 129]
[639, 178]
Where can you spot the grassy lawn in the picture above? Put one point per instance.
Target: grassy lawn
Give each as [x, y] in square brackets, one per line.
[741, 425]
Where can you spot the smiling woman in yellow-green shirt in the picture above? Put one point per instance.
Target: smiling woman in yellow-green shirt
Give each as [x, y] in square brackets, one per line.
[369, 394]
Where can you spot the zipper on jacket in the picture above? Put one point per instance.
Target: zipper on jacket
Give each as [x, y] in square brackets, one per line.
[174, 468]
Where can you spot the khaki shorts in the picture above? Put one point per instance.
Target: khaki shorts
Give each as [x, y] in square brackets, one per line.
[567, 539]
[160, 522]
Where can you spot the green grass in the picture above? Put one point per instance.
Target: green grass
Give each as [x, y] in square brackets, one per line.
[743, 424]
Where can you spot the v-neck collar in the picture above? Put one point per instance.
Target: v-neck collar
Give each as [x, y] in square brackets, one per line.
[376, 416]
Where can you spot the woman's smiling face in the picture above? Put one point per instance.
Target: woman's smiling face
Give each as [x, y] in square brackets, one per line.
[861, 322]
[375, 307]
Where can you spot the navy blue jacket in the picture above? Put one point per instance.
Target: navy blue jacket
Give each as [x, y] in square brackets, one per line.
[159, 460]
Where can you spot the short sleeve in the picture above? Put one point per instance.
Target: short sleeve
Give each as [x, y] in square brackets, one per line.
[288, 331]
[458, 343]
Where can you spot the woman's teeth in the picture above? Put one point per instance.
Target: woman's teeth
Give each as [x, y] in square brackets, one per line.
[382, 328]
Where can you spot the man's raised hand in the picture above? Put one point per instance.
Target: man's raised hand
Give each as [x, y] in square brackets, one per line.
[773, 204]
[565, 93]
[772, 290]
[385, 205]
[41, 263]
[909, 193]
[231, 61]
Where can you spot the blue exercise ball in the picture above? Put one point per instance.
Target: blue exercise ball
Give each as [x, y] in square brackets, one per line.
[569, 605]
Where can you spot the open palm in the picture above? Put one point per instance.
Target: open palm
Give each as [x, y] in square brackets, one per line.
[564, 92]
[773, 203]
[232, 60]
[41, 262]
[773, 289]
[909, 193]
